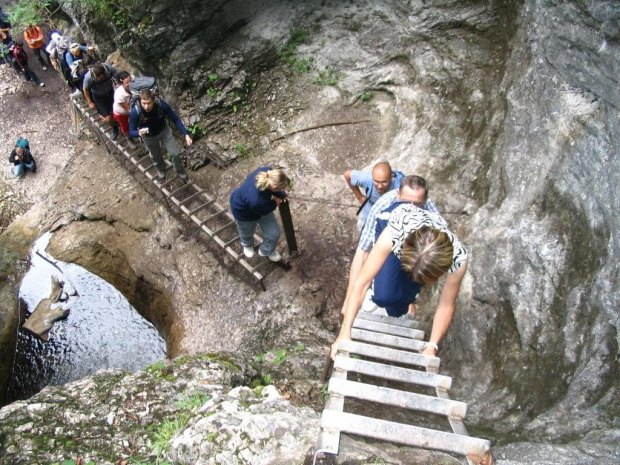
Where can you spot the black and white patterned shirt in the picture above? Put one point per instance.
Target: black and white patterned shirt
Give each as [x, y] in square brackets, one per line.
[407, 218]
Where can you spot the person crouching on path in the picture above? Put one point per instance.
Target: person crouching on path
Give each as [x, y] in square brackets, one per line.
[148, 120]
[21, 158]
[253, 203]
[120, 109]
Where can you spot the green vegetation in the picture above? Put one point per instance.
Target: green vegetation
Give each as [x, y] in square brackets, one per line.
[196, 400]
[160, 371]
[164, 433]
[279, 356]
[243, 151]
[288, 53]
[213, 77]
[26, 12]
[213, 92]
[197, 129]
[367, 96]
[327, 77]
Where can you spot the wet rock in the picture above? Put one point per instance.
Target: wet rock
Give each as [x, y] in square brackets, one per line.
[47, 312]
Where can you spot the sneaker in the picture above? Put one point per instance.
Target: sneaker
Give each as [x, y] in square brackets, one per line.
[115, 132]
[44, 68]
[41, 84]
[184, 177]
[273, 256]
[131, 143]
[161, 175]
[76, 92]
[248, 252]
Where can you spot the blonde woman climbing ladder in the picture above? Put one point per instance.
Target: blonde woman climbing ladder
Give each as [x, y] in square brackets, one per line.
[253, 203]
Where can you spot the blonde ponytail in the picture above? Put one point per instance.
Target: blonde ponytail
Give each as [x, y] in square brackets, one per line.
[273, 179]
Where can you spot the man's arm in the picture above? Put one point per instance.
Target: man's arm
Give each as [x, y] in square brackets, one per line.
[177, 121]
[133, 123]
[445, 309]
[359, 195]
[86, 89]
[371, 267]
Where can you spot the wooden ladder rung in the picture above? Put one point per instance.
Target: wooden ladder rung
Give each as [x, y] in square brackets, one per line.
[201, 207]
[224, 227]
[184, 186]
[387, 340]
[403, 434]
[405, 375]
[402, 321]
[190, 198]
[209, 218]
[233, 240]
[391, 355]
[385, 328]
[398, 398]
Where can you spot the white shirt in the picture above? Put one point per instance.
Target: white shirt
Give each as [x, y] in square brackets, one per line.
[120, 96]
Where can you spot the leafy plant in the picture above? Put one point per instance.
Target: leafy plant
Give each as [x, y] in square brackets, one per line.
[327, 77]
[191, 402]
[288, 53]
[324, 391]
[242, 150]
[366, 96]
[213, 77]
[213, 92]
[165, 432]
[197, 129]
[299, 348]
[280, 356]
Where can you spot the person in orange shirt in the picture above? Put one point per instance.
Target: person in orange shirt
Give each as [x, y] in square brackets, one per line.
[36, 41]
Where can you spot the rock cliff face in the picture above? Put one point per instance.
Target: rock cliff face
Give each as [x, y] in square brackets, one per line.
[509, 110]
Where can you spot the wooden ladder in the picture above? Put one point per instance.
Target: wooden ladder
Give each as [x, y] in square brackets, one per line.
[204, 210]
[375, 340]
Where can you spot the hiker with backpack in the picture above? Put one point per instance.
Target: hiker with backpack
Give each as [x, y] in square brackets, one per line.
[72, 59]
[21, 60]
[98, 90]
[33, 35]
[121, 108]
[21, 158]
[148, 120]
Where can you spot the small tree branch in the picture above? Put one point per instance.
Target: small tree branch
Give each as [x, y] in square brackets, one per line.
[321, 126]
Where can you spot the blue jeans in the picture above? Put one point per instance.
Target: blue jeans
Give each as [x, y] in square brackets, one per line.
[393, 289]
[270, 229]
[153, 145]
[18, 170]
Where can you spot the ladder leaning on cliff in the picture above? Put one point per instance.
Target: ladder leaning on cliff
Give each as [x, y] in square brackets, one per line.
[193, 201]
[393, 340]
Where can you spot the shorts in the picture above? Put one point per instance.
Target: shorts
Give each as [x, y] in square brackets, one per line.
[123, 122]
[104, 103]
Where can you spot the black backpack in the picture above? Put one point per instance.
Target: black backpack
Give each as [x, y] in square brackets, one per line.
[138, 85]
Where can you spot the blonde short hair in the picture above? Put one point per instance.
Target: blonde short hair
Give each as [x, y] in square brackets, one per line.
[272, 179]
[427, 255]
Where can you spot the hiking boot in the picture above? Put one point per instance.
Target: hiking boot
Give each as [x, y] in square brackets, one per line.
[248, 252]
[132, 143]
[161, 175]
[273, 256]
[115, 132]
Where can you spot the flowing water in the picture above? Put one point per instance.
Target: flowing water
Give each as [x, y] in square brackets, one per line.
[102, 330]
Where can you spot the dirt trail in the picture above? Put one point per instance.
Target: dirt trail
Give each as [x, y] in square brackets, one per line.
[40, 114]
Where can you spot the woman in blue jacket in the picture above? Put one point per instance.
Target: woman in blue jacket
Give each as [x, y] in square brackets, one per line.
[253, 203]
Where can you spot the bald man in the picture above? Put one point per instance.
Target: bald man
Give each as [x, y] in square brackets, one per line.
[368, 187]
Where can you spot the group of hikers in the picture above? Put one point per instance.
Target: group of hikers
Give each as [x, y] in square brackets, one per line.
[105, 89]
[404, 243]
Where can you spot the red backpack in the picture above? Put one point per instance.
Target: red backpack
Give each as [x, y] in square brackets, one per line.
[20, 56]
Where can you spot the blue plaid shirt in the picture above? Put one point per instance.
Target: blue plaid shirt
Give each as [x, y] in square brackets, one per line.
[367, 237]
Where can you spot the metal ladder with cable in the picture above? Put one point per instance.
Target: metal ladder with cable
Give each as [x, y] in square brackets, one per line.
[193, 201]
[387, 349]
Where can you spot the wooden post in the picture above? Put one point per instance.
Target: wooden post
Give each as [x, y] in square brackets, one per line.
[287, 224]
